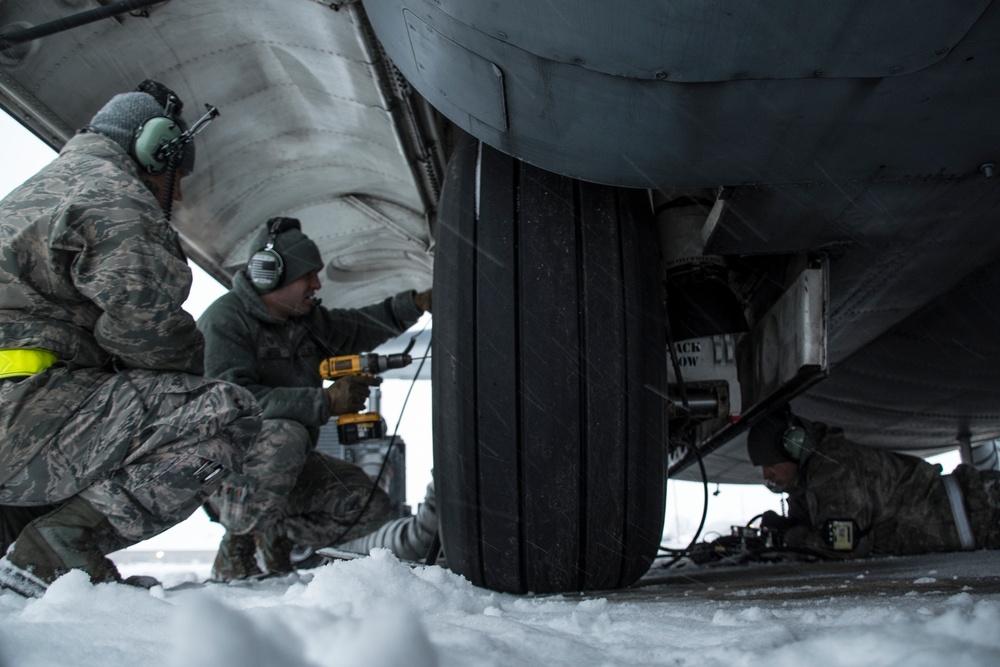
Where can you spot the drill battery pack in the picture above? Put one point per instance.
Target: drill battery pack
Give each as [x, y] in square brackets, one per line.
[359, 427]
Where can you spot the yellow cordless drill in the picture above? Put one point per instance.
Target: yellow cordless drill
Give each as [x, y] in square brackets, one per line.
[366, 425]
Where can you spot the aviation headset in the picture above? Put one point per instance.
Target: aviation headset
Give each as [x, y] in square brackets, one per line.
[793, 440]
[266, 268]
[156, 145]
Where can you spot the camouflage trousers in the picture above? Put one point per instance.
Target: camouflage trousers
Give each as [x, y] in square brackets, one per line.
[981, 492]
[289, 488]
[144, 448]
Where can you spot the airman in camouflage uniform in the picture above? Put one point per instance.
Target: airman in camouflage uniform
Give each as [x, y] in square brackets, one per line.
[890, 503]
[269, 335]
[109, 434]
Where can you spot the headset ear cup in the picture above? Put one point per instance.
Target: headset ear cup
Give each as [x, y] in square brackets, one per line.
[794, 441]
[149, 137]
[265, 270]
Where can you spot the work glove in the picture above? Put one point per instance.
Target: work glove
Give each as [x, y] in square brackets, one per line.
[774, 523]
[349, 393]
[423, 300]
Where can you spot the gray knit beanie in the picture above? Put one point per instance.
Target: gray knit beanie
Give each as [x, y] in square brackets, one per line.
[299, 254]
[124, 113]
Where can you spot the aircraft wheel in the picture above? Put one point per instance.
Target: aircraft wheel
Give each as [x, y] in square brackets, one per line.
[548, 378]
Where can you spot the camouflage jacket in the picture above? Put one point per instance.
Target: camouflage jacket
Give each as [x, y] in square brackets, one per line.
[898, 503]
[279, 360]
[91, 270]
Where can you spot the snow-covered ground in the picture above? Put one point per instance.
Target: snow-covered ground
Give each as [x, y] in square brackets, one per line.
[376, 612]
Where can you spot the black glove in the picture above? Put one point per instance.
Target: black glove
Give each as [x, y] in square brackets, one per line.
[349, 393]
[774, 523]
[422, 300]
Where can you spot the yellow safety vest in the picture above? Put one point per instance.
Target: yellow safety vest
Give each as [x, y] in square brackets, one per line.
[21, 362]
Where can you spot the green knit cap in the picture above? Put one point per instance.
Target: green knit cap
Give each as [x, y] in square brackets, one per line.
[299, 253]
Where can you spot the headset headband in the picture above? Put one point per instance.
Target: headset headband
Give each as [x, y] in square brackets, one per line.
[278, 225]
[166, 98]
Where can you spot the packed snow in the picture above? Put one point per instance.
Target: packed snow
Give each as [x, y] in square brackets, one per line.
[376, 611]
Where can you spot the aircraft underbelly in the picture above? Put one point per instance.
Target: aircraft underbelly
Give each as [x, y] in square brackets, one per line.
[701, 94]
[305, 130]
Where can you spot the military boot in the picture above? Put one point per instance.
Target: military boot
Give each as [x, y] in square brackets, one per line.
[14, 519]
[275, 551]
[73, 537]
[236, 559]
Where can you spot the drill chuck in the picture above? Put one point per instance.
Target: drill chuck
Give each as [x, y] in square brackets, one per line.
[368, 364]
[380, 363]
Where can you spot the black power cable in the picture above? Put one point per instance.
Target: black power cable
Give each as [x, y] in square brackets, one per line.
[678, 554]
[392, 440]
[681, 553]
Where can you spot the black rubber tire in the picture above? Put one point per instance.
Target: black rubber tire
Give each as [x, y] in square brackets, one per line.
[548, 378]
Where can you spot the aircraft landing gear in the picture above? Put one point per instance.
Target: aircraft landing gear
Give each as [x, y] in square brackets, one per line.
[549, 378]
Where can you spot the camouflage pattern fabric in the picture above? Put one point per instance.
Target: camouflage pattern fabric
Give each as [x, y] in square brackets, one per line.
[898, 502]
[981, 493]
[315, 497]
[91, 271]
[333, 501]
[144, 448]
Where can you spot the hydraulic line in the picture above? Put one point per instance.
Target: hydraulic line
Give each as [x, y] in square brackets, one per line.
[73, 21]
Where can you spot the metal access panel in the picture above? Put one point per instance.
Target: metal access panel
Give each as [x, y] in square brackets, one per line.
[784, 354]
[787, 349]
[482, 98]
